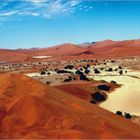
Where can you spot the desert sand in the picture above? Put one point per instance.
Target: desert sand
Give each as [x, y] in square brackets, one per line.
[30, 109]
[126, 98]
[101, 50]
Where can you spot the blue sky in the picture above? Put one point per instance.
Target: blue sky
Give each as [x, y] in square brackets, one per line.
[43, 23]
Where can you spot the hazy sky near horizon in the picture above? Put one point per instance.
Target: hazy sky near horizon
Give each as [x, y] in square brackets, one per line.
[43, 23]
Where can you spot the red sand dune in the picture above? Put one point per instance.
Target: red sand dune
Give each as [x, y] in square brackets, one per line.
[11, 56]
[117, 48]
[59, 50]
[30, 109]
[81, 90]
[102, 49]
[84, 89]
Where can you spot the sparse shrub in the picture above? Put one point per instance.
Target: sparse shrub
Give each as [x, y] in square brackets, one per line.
[127, 116]
[87, 71]
[103, 87]
[42, 73]
[62, 71]
[68, 79]
[96, 71]
[101, 68]
[78, 72]
[119, 113]
[112, 61]
[69, 67]
[120, 72]
[98, 97]
[110, 69]
[88, 65]
[119, 67]
[47, 83]
[83, 77]
[114, 82]
[48, 73]
[85, 67]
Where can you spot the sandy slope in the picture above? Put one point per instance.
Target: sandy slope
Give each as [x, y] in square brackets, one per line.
[30, 109]
[83, 89]
[78, 89]
[11, 56]
[102, 49]
[125, 98]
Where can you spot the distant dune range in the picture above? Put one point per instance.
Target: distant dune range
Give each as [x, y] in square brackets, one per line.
[102, 49]
[30, 109]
